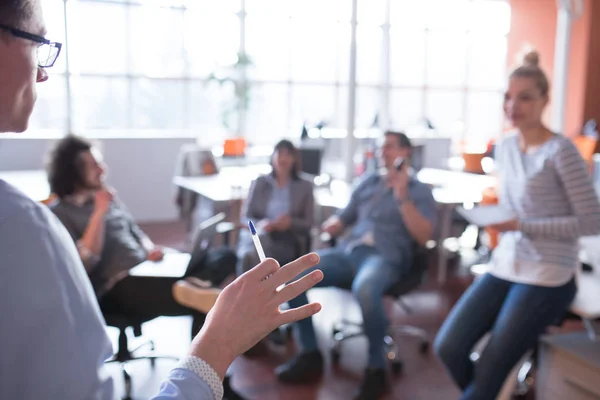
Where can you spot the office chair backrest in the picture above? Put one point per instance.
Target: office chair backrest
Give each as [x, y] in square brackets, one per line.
[195, 161]
[415, 275]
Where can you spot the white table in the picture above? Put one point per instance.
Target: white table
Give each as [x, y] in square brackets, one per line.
[173, 265]
[587, 301]
[34, 183]
[231, 183]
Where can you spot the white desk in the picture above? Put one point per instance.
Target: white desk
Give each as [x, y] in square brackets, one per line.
[33, 183]
[587, 300]
[231, 183]
[173, 265]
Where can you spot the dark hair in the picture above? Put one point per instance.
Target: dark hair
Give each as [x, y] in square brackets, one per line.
[15, 12]
[288, 146]
[403, 140]
[530, 68]
[64, 164]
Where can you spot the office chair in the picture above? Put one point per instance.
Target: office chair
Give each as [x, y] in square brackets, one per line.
[124, 355]
[345, 329]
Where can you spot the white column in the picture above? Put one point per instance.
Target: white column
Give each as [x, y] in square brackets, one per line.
[568, 11]
[350, 139]
[384, 112]
[67, 73]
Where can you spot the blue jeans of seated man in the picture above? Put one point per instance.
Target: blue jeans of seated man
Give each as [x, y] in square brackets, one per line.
[515, 314]
[370, 276]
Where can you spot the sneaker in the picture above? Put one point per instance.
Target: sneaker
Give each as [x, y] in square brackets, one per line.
[199, 282]
[304, 368]
[373, 386]
[192, 296]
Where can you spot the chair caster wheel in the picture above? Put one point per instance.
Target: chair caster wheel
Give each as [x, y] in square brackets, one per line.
[397, 367]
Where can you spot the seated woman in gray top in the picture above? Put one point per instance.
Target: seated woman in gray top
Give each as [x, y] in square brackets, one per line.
[281, 205]
[545, 182]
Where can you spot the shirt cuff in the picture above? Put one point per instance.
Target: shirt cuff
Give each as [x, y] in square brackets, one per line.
[205, 372]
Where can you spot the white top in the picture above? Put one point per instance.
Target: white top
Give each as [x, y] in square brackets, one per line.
[551, 192]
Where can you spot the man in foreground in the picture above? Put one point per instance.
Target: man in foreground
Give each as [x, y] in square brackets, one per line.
[52, 337]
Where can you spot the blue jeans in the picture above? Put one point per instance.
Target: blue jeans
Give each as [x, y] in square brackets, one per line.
[515, 314]
[369, 276]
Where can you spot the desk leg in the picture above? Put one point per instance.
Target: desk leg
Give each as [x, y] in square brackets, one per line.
[445, 226]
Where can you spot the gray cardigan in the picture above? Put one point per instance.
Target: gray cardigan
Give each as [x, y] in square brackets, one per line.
[301, 199]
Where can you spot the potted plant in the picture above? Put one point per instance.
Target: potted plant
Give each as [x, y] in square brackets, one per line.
[233, 113]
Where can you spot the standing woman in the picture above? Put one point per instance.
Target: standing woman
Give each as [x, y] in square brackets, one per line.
[545, 182]
[281, 205]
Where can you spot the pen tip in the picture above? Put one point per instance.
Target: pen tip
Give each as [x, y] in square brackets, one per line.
[251, 226]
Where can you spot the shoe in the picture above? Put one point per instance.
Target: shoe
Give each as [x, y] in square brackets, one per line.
[199, 282]
[304, 368]
[373, 385]
[192, 296]
[228, 392]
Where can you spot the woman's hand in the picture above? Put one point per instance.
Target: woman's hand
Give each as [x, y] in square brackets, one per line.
[283, 223]
[508, 226]
[156, 254]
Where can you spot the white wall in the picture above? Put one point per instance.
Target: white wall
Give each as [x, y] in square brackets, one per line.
[141, 170]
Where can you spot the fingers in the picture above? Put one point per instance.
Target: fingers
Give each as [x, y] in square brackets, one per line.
[296, 314]
[292, 290]
[263, 270]
[293, 269]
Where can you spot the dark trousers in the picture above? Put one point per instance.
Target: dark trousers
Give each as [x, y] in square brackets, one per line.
[147, 298]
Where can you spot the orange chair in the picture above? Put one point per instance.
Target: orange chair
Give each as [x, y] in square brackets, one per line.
[473, 162]
[489, 197]
[235, 147]
[587, 147]
[49, 200]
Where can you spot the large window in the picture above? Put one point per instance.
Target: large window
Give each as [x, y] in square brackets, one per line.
[173, 67]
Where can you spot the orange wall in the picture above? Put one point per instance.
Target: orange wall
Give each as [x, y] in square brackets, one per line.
[533, 22]
[578, 71]
[592, 95]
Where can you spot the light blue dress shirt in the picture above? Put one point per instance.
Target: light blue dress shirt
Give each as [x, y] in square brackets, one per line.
[280, 201]
[53, 340]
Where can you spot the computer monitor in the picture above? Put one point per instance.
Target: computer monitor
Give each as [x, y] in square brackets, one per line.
[310, 160]
[417, 158]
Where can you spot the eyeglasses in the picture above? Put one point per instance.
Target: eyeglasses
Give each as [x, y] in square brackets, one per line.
[47, 51]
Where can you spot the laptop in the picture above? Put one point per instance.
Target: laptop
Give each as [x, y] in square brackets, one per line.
[201, 240]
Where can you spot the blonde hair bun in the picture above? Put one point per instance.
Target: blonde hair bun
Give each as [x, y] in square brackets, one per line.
[531, 59]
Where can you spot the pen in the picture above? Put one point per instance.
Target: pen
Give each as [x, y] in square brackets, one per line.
[256, 240]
